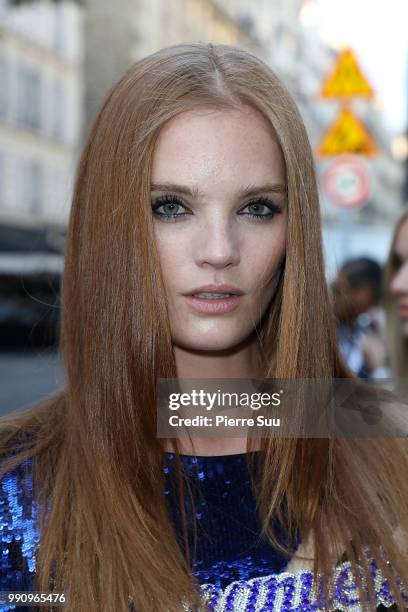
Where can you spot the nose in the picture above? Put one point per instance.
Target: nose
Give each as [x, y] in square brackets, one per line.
[399, 283]
[217, 243]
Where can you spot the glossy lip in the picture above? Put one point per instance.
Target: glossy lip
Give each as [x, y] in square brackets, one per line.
[216, 306]
[215, 289]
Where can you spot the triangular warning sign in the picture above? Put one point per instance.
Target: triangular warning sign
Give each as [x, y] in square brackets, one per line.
[347, 135]
[347, 79]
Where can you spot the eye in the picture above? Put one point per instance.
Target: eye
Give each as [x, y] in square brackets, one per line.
[261, 209]
[170, 204]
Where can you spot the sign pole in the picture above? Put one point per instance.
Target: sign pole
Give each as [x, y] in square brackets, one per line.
[347, 180]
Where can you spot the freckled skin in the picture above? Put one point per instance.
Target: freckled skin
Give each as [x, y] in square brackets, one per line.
[399, 282]
[220, 153]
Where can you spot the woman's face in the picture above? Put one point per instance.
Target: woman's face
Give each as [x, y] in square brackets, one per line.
[211, 171]
[399, 282]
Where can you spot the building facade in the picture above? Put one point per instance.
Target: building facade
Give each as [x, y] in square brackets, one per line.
[41, 106]
[40, 126]
[132, 29]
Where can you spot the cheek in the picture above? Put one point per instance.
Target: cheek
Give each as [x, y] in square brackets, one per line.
[265, 260]
[392, 286]
[173, 254]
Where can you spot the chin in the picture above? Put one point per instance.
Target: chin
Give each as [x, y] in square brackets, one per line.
[209, 341]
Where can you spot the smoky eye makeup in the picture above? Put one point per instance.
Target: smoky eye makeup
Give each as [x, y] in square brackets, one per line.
[169, 207]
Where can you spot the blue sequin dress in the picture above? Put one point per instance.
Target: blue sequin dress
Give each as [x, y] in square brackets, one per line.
[228, 526]
[236, 570]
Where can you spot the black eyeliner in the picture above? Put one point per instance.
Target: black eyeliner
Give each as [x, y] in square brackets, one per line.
[173, 199]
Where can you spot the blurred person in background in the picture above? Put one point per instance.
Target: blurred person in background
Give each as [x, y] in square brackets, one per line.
[197, 171]
[395, 361]
[357, 294]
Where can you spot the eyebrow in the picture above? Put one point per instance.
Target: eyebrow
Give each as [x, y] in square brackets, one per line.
[194, 192]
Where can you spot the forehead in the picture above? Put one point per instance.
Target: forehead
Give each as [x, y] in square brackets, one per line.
[209, 144]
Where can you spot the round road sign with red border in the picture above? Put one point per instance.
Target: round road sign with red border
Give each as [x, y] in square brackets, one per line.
[347, 182]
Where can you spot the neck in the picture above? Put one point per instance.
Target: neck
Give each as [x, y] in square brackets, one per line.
[242, 361]
[209, 447]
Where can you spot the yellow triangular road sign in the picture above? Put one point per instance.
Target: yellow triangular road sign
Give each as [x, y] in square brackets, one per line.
[347, 135]
[346, 79]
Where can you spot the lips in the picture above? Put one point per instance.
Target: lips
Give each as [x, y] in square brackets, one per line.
[215, 289]
[213, 305]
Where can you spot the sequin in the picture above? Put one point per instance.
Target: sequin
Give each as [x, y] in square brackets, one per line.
[233, 573]
[296, 592]
[229, 545]
[19, 532]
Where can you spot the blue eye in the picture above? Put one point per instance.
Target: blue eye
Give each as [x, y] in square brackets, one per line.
[263, 208]
[172, 204]
[268, 206]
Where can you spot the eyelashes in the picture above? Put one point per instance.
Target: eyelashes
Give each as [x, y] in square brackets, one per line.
[269, 207]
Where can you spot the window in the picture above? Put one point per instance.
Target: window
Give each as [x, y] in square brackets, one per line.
[30, 196]
[28, 101]
[57, 128]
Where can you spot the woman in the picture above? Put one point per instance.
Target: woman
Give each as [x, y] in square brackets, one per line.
[197, 178]
[396, 299]
[395, 363]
